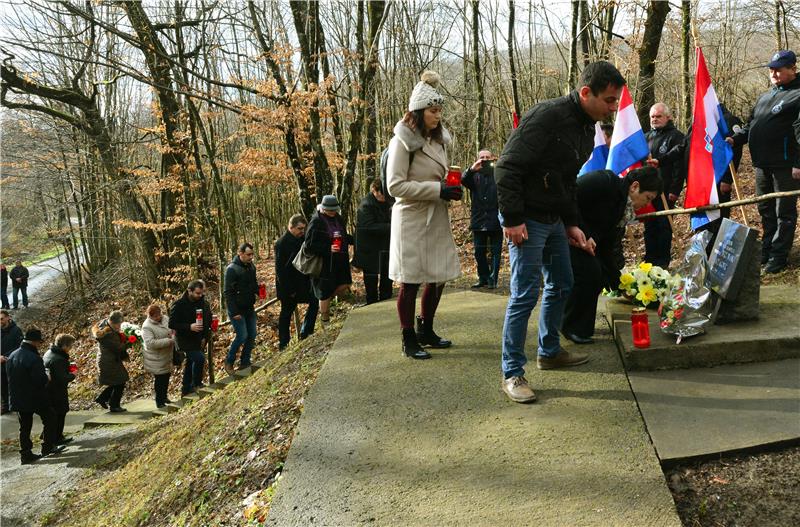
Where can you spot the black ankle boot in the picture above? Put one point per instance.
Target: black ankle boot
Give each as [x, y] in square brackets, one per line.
[427, 337]
[411, 347]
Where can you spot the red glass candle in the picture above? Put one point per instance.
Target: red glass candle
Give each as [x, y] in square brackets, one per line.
[262, 291]
[454, 176]
[214, 322]
[199, 316]
[73, 368]
[640, 327]
[337, 240]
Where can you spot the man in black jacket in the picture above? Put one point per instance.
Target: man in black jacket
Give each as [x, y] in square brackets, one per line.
[606, 202]
[190, 333]
[773, 134]
[27, 382]
[241, 291]
[292, 286]
[662, 138]
[484, 223]
[19, 284]
[535, 177]
[11, 337]
[373, 227]
[4, 286]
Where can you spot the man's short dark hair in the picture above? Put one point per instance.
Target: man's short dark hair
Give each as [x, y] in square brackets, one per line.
[599, 75]
[608, 129]
[5, 312]
[194, 284]
[376, 185]
[296, 220]
[246, 245]
[648, 178]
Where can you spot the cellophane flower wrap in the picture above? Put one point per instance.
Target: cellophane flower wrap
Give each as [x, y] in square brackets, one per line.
[686, 308]
[132, 335]
[644, 284]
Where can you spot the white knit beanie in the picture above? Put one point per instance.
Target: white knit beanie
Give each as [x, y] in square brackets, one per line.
[424, 94]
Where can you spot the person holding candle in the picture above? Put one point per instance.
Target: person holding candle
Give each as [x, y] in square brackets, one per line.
[159, 343]
[373, 228]
[292, 286]
[27, 379]
[241, 292]
[606, 203]
[326, 237]
[422, 249]
[191, 331]
[536, 185]
[57, 363]
[112, 354]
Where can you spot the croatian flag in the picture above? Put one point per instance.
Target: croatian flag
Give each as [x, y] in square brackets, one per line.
[709, 154]
[599, 157]
[628, 143]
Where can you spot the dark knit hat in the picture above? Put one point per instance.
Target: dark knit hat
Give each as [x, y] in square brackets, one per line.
[329, 202]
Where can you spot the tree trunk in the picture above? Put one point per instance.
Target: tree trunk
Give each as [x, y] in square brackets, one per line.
[686, 53]
[511, 62]
[648, 54]
[476, 29]
[572, 74]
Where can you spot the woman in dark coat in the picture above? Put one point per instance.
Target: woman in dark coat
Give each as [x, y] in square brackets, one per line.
[335, 278]
[56, 360]
[111, 356]
[373, 227]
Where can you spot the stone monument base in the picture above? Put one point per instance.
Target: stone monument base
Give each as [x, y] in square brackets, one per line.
[775, 335]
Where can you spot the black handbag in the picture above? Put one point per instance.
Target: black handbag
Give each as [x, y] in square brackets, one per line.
[177, 357]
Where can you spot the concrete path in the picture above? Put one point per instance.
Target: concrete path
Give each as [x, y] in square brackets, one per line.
[385, 440]
[710, 410]
[9, 424]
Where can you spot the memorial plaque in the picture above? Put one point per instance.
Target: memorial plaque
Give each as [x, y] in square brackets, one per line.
[730, 258]
[734, 273]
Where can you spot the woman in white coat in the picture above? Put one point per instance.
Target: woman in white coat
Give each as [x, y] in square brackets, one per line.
[422, 249]
[158, 345]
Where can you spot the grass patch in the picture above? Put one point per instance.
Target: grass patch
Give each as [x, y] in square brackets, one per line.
[216, 462]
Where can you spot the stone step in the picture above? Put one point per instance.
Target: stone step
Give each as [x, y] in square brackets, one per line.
[139, 411]
[205, 391]
[160, 412]
[222, 383]
[246, 372]
[174, 407]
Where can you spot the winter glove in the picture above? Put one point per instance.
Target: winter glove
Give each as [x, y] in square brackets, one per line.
[450, 193]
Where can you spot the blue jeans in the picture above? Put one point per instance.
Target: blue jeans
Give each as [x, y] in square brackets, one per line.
[245, 329]
[545, 252]
[193, 370]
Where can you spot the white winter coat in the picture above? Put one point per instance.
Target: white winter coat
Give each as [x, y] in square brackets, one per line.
[158, 346]
[422, 248]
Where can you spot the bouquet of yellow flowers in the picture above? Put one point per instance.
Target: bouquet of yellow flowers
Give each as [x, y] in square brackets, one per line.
[644, 284]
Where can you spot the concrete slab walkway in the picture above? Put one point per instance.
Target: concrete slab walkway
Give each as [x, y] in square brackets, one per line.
[705, 411]
[385, 440]
[9, 423]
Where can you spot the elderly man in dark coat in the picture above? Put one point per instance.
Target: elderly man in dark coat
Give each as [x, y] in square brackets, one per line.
[27, 380]
[11, 339]
[292, 286]
[373, 229]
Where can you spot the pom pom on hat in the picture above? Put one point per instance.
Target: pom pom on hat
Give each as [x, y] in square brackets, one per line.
[424, 94]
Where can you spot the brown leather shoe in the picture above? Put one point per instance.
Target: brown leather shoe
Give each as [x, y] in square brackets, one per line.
[564, 359]
[518, 390]
[229, 369]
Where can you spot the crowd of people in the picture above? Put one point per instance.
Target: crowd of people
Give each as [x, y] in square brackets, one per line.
[563, 234]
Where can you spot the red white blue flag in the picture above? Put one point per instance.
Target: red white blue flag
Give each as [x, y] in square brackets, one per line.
[628, 143]
[709, 154]
[599, 157]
